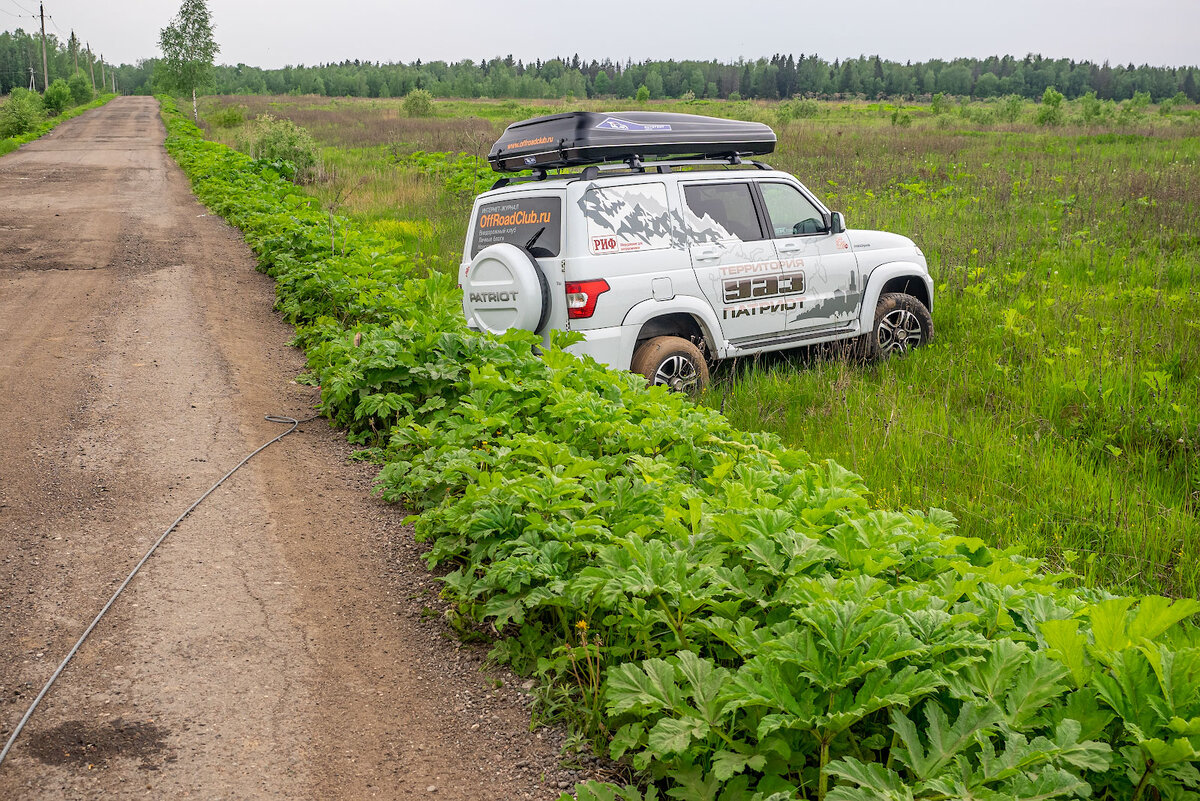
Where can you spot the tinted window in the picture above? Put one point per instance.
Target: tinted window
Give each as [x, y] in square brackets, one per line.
[729, 206]
[517, 221]
[790, 212]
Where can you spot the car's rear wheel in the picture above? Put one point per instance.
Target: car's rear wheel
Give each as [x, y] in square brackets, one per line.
[673, 362]
[901, 323]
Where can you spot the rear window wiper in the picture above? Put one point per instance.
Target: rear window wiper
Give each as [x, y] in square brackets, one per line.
[533, 239]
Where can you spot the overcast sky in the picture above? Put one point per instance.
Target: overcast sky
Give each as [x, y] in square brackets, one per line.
[272, 33]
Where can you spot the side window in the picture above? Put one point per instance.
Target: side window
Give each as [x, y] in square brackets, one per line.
[790, 212]
[724, 210]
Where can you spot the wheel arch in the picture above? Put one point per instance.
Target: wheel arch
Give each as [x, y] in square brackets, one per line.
[898, 276]
[682, 316]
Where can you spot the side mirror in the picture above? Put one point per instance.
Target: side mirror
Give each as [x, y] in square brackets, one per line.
[837, 223]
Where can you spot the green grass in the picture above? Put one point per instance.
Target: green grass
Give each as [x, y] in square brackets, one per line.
[1059, 407]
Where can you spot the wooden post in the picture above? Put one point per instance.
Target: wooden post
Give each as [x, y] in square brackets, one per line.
[45, 69]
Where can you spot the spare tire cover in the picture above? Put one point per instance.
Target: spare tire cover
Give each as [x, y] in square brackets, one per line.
[504, 288]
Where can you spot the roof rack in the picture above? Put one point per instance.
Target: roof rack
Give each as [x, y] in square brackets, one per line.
[580, 138]
[632, 165]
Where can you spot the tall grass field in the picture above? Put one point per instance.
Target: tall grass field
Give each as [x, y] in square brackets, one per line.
[1057, 410]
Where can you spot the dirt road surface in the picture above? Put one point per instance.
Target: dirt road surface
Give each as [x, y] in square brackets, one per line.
[283, 643]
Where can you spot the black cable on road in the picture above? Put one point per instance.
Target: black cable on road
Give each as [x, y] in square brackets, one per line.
[62, 666]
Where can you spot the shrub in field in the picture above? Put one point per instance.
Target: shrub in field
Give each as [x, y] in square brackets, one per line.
[1133, 110]
[1050, 112]
[227, 117]
[81, 89]
[901, 118]
[1009, 108]
[57, 97]
[418, 103]
[282, 143]
[21, 114]
[1168, 106]
[731, 618]
[1094, 111]
[797, 108]
[643, 93]
[940, 104]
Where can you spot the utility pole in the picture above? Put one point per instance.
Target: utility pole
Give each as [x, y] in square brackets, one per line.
[75, 51]
[91, 64]
[103, 79]
[45, 69]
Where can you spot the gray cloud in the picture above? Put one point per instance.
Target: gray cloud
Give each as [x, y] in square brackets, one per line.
[272, 33]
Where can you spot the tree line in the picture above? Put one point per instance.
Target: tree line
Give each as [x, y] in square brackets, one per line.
[775, 78]
[781, 76]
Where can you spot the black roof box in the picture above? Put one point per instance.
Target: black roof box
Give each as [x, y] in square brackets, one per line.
[588, 137]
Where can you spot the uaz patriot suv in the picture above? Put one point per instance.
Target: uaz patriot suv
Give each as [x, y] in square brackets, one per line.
[659, 243]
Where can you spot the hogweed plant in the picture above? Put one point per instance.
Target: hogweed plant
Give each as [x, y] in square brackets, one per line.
[755, 628]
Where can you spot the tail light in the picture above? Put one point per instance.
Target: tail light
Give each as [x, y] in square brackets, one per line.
[582, 297]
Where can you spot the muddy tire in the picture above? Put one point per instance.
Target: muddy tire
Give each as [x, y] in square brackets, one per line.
[901, 323]
[673, 362]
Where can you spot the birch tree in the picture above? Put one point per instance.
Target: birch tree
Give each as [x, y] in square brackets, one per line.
[188, 50]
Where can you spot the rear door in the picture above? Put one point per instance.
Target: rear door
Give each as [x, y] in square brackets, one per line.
[734, 258]
[821, 263]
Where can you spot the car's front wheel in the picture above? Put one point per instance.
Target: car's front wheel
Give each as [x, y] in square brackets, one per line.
[672, 362]
[901, 323]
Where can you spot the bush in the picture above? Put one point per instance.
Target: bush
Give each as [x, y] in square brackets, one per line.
[1050, 112]
[57, 97]
[1133, 110]
[418, 103]
[1169, 105]
[1095, 111]
[285, 145]
[227, 117]
[81, 89]
[643, 93]
[797, 108]
[940, 104]
[735, 96]
[1009, 108]
[901, 118]
[21, 114]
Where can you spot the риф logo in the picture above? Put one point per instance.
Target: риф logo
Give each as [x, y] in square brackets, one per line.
[614, 124]
[493, 297]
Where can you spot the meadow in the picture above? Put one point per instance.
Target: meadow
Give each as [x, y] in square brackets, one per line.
[1058, 409]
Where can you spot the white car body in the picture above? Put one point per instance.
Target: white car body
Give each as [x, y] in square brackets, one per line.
[680, 256]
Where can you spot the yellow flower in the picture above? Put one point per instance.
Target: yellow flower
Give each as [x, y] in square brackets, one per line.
[582, 625]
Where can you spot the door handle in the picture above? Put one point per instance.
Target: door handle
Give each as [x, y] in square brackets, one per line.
[707, 253]
[789, 247]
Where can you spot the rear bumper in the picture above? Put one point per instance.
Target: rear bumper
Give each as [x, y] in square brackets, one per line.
[610, 346]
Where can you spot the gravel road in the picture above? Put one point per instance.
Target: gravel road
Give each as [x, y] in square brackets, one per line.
[285, 642]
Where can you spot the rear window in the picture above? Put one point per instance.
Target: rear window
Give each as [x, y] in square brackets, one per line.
[517, 221]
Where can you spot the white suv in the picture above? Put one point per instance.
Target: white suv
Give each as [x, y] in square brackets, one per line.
[663, 265]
